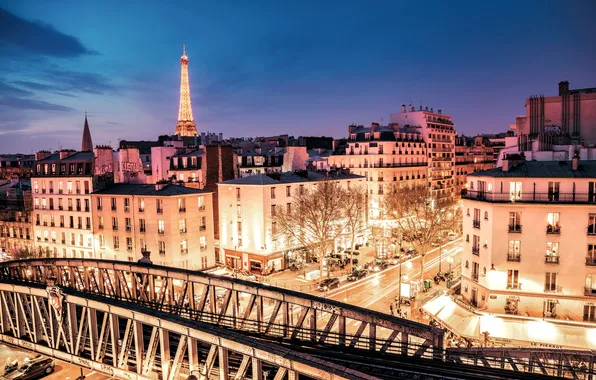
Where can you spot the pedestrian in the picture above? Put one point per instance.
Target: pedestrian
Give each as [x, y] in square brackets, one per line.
[391, 308]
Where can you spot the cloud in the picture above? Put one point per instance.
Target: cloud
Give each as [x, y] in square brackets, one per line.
[31, 104]
[8, 90]
[63, 82]
[38, 37]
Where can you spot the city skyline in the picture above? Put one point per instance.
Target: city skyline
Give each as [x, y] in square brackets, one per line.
[259, 71]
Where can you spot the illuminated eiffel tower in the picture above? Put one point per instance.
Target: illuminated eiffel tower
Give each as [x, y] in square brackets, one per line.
[186, 125]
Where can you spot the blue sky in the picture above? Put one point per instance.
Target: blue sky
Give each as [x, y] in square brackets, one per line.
[270, 67]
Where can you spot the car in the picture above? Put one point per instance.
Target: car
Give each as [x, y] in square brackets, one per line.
[357, 275]
[452, 236]
[34, 368]
[394, 260]
[348, 252]
[380, 266]
[328, 284]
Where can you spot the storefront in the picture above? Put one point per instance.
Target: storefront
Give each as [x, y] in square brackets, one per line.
[263, 265]
[233, 259]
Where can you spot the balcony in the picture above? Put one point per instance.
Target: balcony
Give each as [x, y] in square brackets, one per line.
[162, 252]
[514, 258]
[515, 228]
[113, 208]
[592, 229]
[126, 209]
[184, 251]
[590, 292]
[86, 209]
[202, 228]
[591, 261]
[183, 231]
[182, 209]
[88, 227]
[514, 286]
[78, 209]
[60, 208]
[37, 223]
[61, 225]
[549, 259]
[69, 208]
[476, 250]
[160, 210]
[63, 241]
[160, 232]
[202, 208]
[128, 228]
[141, 209]
[100, 226]
[80, 226]
[476, 224]
[475, 276]
[142, 230]
[530, 197]
[553, 230]
[115, 228]
[203, 248]
[551, 288]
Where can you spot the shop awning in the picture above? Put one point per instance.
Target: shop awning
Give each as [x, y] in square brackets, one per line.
[525, 332]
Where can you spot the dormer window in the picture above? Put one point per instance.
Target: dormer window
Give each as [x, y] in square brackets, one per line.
[367, 136]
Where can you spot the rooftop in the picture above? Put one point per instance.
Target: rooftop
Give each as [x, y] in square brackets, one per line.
[149, 190]
[78, 156]
[543, 169]
[289, 177]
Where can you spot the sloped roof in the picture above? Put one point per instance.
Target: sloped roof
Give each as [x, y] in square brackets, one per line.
[543, 169]
[149, 190]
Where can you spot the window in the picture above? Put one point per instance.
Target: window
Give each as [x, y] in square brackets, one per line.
[78, 203]
[273, 228]
[589, 313]
[201, 202]
[552, 220]
[162, 247]
[513, 279]
[126, 204]
[102, 242]
[182, 224]
[129, 244]
[114, 223]
[88, 223]
[143, 244]
[476, 244]
[116, 242]
[37, 203]
[181, 205]
[592, 224]
[515, 191]
[515, 221]
[552, 252]
[301, 189]
[272, 210]
[476, 218]
[86, 205]
[273, 193]
[203, 242]
[100, 222]
[591, 192]
[159, 204]
[550, 308]
[237, 194]
[141, 205]
[591, 255]
[553, 191]
[475, 270]
[183, 247]
[486, 215]
[203, 225]
[514, 253]
[128, 223]
[69, 187]
[99, 203]
[289, 208]
[288, 191]
[160, 226]
[142, 226]
[550, 283]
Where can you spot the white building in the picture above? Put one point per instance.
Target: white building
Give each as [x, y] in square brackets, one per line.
[246, 205]
[530, 239]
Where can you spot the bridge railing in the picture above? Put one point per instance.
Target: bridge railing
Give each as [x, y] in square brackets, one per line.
[242, 305]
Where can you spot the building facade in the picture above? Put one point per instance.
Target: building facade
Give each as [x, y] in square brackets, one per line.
[530, 239]
[246, 206]
[16, 232]
[438, 132]
[383, 155]
[62, 185]
[472, 154]
[174, 223]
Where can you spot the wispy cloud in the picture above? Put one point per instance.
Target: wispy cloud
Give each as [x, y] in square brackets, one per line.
[38, 37]
[32, 104]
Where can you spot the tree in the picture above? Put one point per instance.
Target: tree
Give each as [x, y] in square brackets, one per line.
[314, 218]
[418, 216]
[355, 207]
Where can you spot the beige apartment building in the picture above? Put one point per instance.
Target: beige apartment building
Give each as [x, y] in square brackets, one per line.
[383, 155]
[174, 223]
[246, 205]
[530, 239]
[438, 132]
[62, 184]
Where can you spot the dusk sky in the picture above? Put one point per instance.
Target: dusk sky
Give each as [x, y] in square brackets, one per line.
[272, 67]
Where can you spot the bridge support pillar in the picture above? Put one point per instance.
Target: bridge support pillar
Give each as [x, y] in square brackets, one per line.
[404, 343]
[313, 325]
[92, 320]
[164, 347]
[193, 355]
[223, 363]
[372, 337]
[292, 375]
[342, 330]
[139, 345]
[257, 369]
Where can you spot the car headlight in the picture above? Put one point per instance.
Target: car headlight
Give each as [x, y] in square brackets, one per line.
[376, 268]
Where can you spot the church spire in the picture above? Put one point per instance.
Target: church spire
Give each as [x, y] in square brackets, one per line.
[186, 125]
[87, 145]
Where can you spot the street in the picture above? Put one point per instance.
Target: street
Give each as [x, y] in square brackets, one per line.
[62, 371]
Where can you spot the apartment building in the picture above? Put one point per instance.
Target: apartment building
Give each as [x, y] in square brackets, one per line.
[62, 184]
[530, 239]
[174, 223]
[383, 155]
[246, 205]
[438, 132]
[472, 154]
[16, 239]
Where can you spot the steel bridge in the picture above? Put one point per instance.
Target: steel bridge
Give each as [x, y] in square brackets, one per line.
[139, 321]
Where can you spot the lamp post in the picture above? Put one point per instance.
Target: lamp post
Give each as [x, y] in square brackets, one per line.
[449, 276]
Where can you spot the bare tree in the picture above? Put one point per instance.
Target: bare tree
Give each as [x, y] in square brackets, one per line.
[355, 207]
[418, 216]
[314, 219]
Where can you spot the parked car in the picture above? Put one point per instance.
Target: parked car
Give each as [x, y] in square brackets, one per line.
[395, 259]
[34, 368]
[380, 266]
[349, 251]
[452, 236]
[357, 275]
[328, 284]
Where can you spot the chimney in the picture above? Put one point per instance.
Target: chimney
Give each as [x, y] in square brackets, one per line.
[420, 108]
[575, 162]
[373, 127]
[42, 154]
[431, 109]
[563, 88]
[412, 109]
[426, 108]
[160, 186]
[66, 153]
[439, 111]
[403, 108]
[505, 165]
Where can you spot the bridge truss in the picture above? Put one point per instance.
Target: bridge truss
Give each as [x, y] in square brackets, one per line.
[139, 322]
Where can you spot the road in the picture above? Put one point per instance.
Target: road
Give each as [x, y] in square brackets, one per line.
[63, 370]
[377, 291]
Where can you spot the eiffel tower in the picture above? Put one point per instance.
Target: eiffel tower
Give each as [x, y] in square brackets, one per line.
[186, 125]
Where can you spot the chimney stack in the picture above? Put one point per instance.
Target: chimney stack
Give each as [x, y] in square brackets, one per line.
[426, 108]
[42, 154]
[439, 111]
[403, 108]
[412, 109]
[505, 166]
[66, 153]
[575, 162]
[563, 88]
[431, 109]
